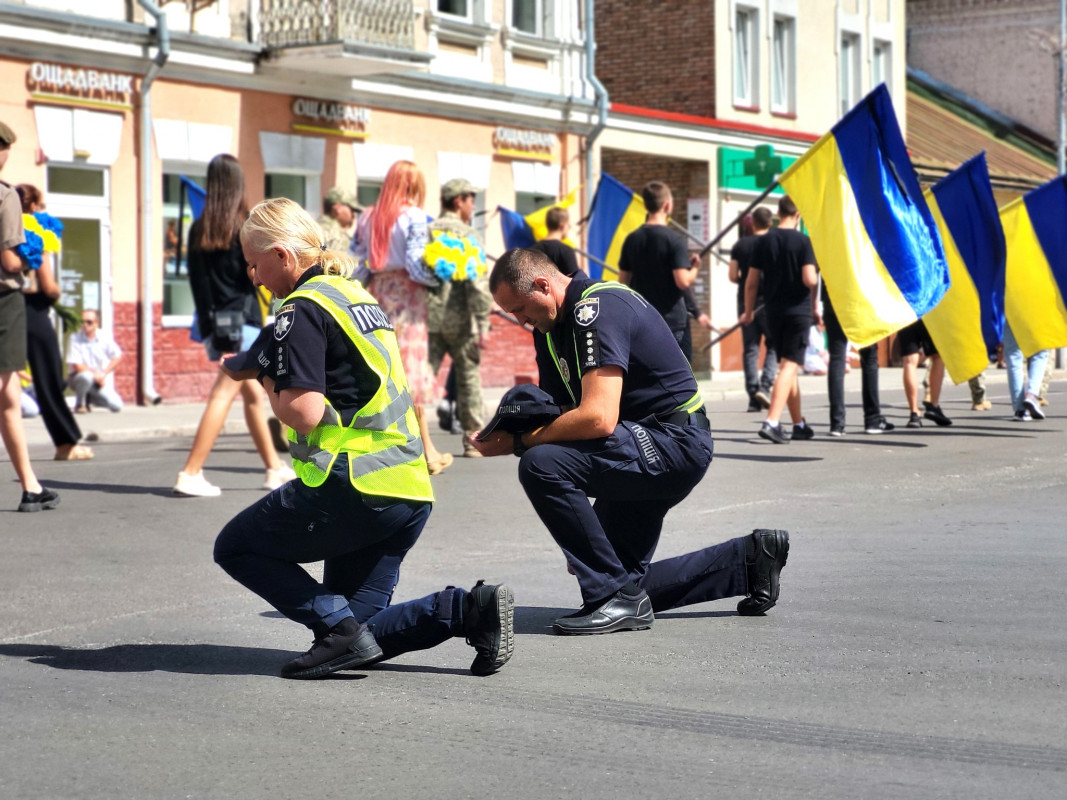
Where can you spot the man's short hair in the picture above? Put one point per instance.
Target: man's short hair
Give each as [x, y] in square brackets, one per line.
[518, 268]
[655, 194]
[762, 218]
[556, 218]
[786, 207]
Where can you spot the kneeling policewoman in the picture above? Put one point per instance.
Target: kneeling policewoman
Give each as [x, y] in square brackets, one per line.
[332, 371]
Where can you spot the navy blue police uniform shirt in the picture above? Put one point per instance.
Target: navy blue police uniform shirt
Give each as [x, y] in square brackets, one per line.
[616, 327]
[311, 351]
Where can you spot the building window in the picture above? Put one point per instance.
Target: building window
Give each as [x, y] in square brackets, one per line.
[367, 193]
[746, 57]
[850, 71]
[526, 16]
[783, 66]
[882, 64]
[528, 202]
[177, 220]
[457, 8]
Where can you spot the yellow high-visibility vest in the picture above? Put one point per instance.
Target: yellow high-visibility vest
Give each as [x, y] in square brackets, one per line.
[385, 454]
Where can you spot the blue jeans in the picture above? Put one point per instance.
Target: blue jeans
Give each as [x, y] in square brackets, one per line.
[1020, 384]
[362, 543]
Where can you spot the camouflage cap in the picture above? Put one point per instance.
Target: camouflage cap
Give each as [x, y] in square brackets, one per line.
[7, 136]
[457, 187]
[339, 194]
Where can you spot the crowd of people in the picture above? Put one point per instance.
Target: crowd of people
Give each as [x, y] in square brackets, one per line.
[365, 308]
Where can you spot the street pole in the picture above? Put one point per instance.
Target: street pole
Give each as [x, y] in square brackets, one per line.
[1062, 105]
[1061, 144]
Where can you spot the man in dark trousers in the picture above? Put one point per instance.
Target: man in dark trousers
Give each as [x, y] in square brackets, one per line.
[837, 343]
[757, 384]
[633, 433]
[785, 262]
[656, 262]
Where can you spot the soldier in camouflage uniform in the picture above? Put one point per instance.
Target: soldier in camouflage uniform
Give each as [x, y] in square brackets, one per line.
[458, 315]
[338, 218]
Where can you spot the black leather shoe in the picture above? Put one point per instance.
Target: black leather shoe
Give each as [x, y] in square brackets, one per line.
[620, 612]
[489, 625]
[765, 555]
[348, 645]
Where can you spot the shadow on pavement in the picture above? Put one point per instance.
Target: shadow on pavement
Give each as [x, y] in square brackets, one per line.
[537, 620]
[765, 459]
[694, 614]
[191, 659]
[109, 488]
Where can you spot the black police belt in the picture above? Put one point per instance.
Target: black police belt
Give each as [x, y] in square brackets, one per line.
[697, 417]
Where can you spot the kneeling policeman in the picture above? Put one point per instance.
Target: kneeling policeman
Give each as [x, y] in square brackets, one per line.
[633, 433]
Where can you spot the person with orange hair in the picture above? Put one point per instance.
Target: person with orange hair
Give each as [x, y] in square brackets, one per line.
[388, 247]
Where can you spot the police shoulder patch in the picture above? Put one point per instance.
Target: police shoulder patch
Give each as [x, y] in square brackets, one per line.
[283, 321]
[586, 311]
[588, 349]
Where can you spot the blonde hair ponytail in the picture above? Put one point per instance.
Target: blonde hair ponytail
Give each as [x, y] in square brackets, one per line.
[283, 223]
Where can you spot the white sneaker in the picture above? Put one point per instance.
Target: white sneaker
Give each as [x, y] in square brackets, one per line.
[195, 486]
[275, 478]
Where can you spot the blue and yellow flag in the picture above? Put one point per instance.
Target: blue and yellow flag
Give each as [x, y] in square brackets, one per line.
[877, 245]
[517, 232]
[520, 231]
[1035, 279]
[617, 212]
[969, 321]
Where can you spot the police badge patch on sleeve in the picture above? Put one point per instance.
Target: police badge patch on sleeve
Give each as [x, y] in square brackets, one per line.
[283, 321]
[586, 311]
[588, 349]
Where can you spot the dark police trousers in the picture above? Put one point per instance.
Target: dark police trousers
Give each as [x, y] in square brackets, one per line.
[361, 547]
[636, 475]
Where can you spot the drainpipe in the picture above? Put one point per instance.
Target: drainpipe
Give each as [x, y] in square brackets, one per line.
[601, 101]
[148, 386]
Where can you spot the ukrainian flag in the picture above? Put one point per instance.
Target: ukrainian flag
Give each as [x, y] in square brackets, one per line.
[517, 232]
[969, 321]
[1035, 228]
[520, 231]
[877, 245]
[617, 212]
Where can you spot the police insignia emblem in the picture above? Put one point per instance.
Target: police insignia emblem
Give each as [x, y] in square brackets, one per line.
[564, 370]
[283, 321]
[586, 311]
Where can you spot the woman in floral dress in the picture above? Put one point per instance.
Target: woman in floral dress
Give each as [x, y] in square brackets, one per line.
[388, 246]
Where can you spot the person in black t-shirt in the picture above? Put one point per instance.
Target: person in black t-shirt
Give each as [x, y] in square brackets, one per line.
[558, 223]
[758, 385]
[785, 262]
[656, 262]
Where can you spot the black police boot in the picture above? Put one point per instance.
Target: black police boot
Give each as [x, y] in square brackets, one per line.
[620, 612]
[489, 626]
[347, 645]
[765, 554]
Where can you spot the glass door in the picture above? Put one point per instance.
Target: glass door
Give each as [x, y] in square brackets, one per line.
[79, 196]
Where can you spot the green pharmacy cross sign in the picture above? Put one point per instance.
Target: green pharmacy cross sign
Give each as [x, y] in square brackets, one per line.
[751, 170]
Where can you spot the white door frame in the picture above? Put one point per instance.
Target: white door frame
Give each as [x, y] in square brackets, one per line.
[97, 208]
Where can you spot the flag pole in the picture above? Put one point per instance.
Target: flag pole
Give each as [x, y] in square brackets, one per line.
[693, 238]
[718, 238]
[726, 333]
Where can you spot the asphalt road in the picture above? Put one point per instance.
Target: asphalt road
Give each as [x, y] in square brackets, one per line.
[918, 649]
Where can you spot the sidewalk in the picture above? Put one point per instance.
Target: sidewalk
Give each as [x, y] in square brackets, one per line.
[181, 419]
